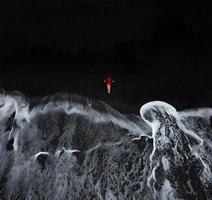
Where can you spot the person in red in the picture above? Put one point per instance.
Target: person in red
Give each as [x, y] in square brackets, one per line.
[109, 82]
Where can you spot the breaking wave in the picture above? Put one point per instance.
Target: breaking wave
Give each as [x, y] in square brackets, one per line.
[67, 146]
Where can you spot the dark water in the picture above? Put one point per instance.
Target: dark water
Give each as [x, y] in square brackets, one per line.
[71, 147]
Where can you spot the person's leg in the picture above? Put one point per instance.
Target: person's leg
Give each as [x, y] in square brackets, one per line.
[108, 88]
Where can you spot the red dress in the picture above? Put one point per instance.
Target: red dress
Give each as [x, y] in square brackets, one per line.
[109, 83]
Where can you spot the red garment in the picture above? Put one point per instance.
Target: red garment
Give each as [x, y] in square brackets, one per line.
[109, 83]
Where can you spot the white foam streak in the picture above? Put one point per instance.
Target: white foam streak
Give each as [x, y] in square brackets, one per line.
[167, 191]
[41, 153]
[165, 162]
